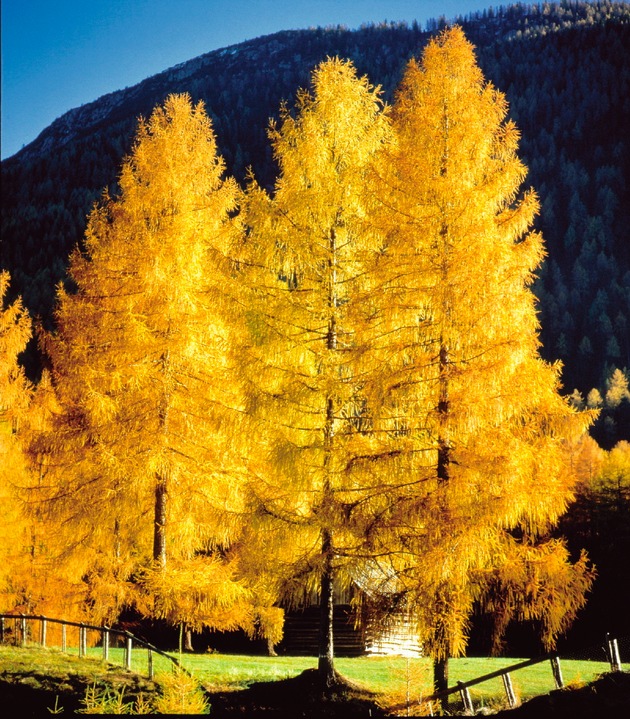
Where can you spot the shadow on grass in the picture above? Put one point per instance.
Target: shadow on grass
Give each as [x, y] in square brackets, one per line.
[35, 694]
[607, 696]
[301, 697]
[304, 697]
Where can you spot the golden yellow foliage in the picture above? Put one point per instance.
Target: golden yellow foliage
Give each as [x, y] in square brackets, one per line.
[303, 267]
[29, 579]
[15, 393]
[140, 458]
[353, 383]
[15, 332]
[471, 415]
[181, 694]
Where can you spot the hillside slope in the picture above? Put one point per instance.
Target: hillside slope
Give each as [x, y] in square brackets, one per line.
[566, 72]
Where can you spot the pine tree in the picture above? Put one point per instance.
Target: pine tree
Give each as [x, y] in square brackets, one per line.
[303, 265]
[140, 458]
[475, 414]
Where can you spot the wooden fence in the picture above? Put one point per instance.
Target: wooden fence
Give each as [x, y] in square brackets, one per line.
[612, 653]
[20, 636]
[23, 630]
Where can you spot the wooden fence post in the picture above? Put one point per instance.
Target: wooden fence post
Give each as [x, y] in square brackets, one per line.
[17, 632]
[509, 690]
[613, 654]
[105, 643]
[557, 672]
[82, 641]
[128, 645]
[465, 695]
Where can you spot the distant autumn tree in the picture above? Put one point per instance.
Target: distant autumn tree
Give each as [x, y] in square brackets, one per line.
[139, 460]
[599, 520]
[302, 264]
[472, 415]
[617, 389]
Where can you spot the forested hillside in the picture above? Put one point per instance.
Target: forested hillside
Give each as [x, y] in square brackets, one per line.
[564, 68]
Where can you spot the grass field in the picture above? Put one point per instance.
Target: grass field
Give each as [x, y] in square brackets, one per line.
[37, 680]
[396, 679]
[393, 676]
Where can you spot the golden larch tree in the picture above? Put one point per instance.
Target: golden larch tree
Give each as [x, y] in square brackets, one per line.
[15, 332]
[29, 579]
[302, 265]
[140, 459]
[471, 412]
[15, 396]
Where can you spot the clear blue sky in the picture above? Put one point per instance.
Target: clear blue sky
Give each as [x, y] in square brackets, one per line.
[59, 54]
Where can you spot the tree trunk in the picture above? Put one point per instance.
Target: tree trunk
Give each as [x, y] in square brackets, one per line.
[161, 477]
[326, 666]
[440, 679]
[443, 643]
[188, 640]
[440, 666]
[117, 539]
[159, 523]
[444, 412]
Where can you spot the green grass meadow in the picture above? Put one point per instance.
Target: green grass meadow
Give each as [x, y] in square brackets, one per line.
[386, 675]
[392, 676]
[396, 680]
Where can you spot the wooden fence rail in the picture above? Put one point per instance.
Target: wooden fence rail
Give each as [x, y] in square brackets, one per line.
[20, 629]
[20, 633]
[612, 652]
[610, 647]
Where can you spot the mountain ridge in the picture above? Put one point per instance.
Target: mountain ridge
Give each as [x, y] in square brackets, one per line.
[82, 115]
[84, 118]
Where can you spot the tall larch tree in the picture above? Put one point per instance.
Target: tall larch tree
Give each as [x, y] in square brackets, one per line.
[472, 414]
[30, 576]
[15, 395]
[15, 332]
[303, 266]
[139, 459]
